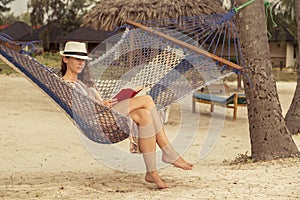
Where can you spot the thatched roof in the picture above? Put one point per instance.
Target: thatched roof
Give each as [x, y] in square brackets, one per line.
[107, 14]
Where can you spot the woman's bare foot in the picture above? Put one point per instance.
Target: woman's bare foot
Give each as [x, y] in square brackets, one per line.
[171, 156]
[180, 162]
[153, 177]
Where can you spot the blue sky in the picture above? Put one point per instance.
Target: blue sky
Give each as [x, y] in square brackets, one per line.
[19, 6]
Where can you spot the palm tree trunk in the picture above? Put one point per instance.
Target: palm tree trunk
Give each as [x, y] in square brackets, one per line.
[292, 117]
[269, 135]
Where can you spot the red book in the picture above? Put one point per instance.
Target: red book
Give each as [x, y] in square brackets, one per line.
[126, 93]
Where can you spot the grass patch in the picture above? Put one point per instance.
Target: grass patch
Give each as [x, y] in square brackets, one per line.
[48, 59]
[240, 159]
[284, 75]
[5, 69]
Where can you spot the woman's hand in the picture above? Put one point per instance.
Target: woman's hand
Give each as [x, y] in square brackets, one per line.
[110, 102]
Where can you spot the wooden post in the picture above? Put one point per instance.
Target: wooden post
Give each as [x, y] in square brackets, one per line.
[235, 106]
[193, 105]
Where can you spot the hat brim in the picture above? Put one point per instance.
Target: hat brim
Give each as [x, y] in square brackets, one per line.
[75, 56]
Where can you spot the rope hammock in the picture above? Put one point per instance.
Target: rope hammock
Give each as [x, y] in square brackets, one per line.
[170, 58]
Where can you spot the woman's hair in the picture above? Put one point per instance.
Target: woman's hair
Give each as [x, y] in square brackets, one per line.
[63, 67]
[84, 76]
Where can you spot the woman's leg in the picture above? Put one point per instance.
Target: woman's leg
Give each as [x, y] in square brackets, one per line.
[145, 102]
[140, 102]
[143, 111]
[147, 145]
[169, 153]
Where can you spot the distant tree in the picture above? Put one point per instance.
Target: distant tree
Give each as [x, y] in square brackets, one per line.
[3, 5]
[67, 14]
[9, 18]
[4, 8]
[285, 15]
[73, 17]
[25, 17]
[270, 138]
[37, 10]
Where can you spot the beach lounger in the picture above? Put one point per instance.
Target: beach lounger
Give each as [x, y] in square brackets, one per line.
[232, 101]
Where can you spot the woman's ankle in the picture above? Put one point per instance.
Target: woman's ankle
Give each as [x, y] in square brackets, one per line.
[153, 177]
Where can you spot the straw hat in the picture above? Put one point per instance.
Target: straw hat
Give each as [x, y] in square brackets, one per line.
[76, 50]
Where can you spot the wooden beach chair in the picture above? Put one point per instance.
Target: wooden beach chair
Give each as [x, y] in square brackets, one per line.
[233, 101]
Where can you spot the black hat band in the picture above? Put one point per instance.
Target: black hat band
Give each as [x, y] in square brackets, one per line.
[75, 53]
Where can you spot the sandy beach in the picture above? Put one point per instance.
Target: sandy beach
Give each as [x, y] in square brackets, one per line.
[42, 156]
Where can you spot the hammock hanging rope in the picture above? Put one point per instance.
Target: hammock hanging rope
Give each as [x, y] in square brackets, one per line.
[167, 68]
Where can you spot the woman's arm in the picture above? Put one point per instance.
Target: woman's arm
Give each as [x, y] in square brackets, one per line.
[97, 96]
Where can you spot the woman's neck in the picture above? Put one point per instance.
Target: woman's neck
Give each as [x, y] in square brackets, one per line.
[70, 77]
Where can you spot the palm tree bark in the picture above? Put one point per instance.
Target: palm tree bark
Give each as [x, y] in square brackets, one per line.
[269, 135]
[292, 117]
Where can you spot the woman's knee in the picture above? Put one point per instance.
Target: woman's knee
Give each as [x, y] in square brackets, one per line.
[149, 101]
[141, 116]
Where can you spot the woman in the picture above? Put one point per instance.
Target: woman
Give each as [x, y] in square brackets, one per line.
[141, 109]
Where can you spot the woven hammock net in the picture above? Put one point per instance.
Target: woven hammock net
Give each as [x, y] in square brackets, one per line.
[166, 70]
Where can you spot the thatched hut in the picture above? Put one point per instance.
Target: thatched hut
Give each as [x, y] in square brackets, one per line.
[17, 30]
[107, 14]
[49, 36]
